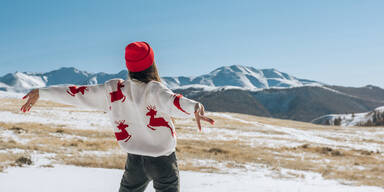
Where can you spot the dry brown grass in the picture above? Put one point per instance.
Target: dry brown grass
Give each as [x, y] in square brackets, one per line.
[113, 161]
[10, 159]
[49, 139]
[14, 105]
[198, 168]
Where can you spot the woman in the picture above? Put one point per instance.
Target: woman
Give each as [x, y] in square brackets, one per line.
[141, 110]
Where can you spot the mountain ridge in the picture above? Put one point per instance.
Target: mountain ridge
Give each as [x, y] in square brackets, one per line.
[243, 77]
[299, 103]
[234, 76]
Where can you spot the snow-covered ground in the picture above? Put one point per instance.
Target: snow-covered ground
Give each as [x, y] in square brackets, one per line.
[8, 94]
[71, 117]
[70, 178]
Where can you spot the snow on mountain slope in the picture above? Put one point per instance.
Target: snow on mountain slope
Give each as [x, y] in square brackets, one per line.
[352, 119]
[65, 75]
[241, 77]
[235, 76]
[24, 81]
[17, 82]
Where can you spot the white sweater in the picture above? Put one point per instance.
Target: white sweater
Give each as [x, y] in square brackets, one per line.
[140, 112]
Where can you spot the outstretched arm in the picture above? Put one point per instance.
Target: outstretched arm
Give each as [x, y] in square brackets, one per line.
[178, 106]
[93, 96]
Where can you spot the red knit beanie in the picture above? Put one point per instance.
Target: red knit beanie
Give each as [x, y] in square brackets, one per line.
[138, 56]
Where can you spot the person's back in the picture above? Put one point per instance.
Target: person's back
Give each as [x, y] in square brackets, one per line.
[141, 110]
[146, 109]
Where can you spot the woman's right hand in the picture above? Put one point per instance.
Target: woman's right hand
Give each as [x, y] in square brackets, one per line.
[199, 115]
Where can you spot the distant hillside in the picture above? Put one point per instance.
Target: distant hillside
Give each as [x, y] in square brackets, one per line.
[372, 118]
[301, 103]
[368, 92]
[232, 100]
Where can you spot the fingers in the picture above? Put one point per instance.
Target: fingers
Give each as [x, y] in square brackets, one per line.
[24, 107]
[197, 118]
[202, 110]
[207, 119]
[32, 102]
[27, 106]
[27, 95]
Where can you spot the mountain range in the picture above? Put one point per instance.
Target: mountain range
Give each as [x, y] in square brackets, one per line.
[235, 76]
[298, 103]
[236, 88]
[238, 76]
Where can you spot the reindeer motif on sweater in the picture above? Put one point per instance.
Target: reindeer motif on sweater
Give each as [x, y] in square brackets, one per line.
[118, 94]
[73, 90]
[123, 134]
[157, 121]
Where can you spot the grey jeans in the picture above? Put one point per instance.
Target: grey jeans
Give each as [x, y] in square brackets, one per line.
[140, 170]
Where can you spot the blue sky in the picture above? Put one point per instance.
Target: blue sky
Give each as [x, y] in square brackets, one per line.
[337, 41]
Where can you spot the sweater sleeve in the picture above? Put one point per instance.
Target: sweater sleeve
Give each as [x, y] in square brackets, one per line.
[92, 96]
[173, 104]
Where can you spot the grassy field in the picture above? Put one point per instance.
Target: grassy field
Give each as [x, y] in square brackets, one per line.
[352, 155]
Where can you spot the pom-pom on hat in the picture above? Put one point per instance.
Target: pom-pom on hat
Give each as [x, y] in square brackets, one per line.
[138, 56]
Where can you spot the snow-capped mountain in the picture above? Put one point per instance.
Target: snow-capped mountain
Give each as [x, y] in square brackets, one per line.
[235, 76]
[241, 77]
[23, 81]
[18, 82]
[372, 118]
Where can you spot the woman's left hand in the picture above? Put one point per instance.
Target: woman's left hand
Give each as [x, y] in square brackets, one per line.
[32, 96]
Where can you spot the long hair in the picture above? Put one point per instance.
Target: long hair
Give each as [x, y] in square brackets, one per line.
[150, 74]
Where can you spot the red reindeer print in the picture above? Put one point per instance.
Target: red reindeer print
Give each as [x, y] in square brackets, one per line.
[157, 121]
[123, 135]
[176, 102]
[73, 90]
[118, 95]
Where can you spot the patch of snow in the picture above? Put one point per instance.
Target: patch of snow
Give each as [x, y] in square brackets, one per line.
[14, 150]
[71, 178]
[380, 109]
[9, 94]
[7, 135]
[102, 153]
[72, 117]
[41, 159]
